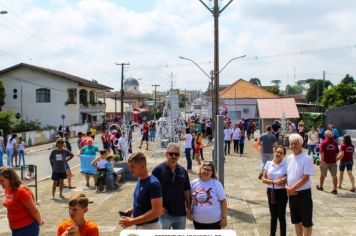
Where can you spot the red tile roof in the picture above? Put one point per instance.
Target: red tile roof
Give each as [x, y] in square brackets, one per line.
[277, 108]
[244, 89]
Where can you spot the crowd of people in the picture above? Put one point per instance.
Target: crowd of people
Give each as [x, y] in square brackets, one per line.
[289, 179]
[166, 198]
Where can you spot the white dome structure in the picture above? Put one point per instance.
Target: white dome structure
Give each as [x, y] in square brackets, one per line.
[131, 85]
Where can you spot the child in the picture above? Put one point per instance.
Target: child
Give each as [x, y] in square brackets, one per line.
[100, 164]
[256, 145]
[77, 224]
[21, 148]
[242, 143]
[110, 170]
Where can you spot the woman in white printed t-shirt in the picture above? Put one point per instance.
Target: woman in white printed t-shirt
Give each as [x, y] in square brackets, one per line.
[274, 175]
[209, 205]
[11, 148]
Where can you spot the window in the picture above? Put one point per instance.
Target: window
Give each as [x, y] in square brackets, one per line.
[72, 96]
[43, 95]
[83, 96]
[92, 97]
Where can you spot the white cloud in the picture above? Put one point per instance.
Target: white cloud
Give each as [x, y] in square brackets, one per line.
[86, 38]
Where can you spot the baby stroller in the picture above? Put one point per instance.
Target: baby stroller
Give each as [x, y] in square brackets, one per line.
[316, 154]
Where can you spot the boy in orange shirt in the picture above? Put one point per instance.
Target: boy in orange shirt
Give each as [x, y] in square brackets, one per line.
[78, 225]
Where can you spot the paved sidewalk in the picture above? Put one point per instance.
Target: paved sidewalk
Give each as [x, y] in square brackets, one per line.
[248, 212]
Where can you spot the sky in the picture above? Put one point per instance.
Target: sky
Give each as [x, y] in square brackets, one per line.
[287, 40]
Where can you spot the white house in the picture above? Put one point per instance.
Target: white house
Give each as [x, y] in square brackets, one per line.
[241, 100]
[52, 97]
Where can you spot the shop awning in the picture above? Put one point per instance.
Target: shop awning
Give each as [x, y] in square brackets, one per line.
[277, 108]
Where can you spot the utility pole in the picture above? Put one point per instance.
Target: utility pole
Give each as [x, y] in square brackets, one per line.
[323, 81]
[185, 104]
[218, 141]
[155, 106]
[216, 13]
[122, 89]
[115, 105]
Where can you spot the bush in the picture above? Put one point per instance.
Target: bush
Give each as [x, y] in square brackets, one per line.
[6, 122]
[23, 126]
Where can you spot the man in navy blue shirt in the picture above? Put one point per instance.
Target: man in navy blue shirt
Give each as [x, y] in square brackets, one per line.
[147, 206]
[175, 184]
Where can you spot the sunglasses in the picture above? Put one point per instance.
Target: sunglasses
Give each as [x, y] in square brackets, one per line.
[173, 154]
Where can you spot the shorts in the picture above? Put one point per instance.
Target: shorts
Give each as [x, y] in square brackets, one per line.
[301, 208]
[66, 166]
[197, 150]
[58, 175]
[347, 164]
[145, 137]
[331, 167]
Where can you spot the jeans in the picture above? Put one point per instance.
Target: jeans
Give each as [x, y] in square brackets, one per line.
[174, 222]
[265, 157]
[311, 148]
[1, 156]
[21, 156]
[236, 146]
[10, 153]
[242, 148]
[188, 157]
[278, 210]
[32, 229]
[227, 147]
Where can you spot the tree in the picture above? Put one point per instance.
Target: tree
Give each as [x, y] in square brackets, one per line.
[301, 82]
[276, 82]
[6, 122]
[309, 81]
[342, 94]
[315, 91]
[255, 81]
[275, 90]
[294, 89]
[348, 79]
[2, 95]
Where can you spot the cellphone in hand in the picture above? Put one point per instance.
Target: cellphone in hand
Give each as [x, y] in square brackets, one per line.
[122, 213]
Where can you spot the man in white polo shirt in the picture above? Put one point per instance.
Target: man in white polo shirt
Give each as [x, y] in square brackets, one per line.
[299, 169]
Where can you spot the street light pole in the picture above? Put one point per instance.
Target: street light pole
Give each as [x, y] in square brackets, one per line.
[122, 89]
[155, 101]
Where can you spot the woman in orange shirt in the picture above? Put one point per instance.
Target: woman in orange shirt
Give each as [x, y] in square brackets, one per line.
[24, 218]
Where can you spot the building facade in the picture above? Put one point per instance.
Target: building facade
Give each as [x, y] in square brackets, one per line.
[51, 97]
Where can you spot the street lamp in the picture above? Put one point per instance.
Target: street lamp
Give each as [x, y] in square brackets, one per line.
[216, 105]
